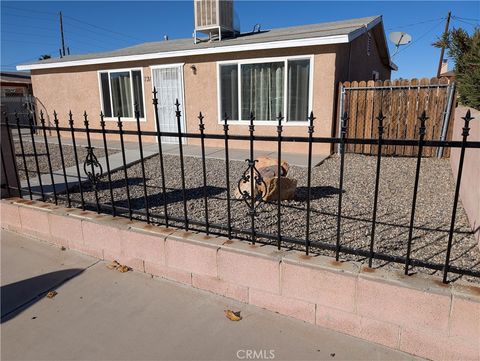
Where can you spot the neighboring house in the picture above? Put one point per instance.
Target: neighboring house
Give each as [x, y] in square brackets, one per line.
[445, 73]
[15, 83]
[290, 70]
[16, 93]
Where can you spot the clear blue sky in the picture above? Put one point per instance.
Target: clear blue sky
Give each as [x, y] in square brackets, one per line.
[30, 29]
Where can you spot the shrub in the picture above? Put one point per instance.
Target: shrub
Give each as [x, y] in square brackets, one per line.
[464, 49]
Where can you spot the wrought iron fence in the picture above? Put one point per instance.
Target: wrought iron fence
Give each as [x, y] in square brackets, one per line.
[252, 198]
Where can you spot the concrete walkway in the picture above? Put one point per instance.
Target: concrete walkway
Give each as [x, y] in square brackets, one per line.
[100, 314]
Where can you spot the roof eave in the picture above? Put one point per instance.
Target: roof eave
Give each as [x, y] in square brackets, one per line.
[325, 40]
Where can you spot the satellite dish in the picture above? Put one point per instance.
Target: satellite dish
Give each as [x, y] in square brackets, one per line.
[399, 38]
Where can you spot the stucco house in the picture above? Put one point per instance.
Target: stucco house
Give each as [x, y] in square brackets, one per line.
[291, 70]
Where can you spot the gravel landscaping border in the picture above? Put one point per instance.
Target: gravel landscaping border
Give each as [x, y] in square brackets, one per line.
[54, 150]
[433, 212]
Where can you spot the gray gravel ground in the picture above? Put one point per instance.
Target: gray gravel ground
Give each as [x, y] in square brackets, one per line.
[55, 158]
[434, 204]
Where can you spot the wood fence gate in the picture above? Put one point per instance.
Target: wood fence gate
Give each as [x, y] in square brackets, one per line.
[402, 102]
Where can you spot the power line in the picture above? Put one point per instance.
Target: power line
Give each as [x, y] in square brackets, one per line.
[118, 41]
[29, 26]
[102, 28]
[29, 10]
[459, 17]
[414, 24]
[420, 37]
[82, 27]
[464, 22]
[29, 17]
[29, 42]
[29, 34]
[71, 34]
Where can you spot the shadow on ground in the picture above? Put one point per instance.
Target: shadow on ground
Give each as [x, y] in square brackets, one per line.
[18, 296]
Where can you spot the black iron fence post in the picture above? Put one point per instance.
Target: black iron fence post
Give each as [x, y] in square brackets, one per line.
[380, 119]
[465, 133]
[47, 150]
[142, 163]
[22, 149]
[11, 150]
[124, 160]
[311, 129]
[93, 177]
[107, 161]
[423, 118]
[279, 178]
[75, 153]
[60, 148]
[227, 175]
[343, 135]
[201, 127]
[178, 115]
[35, 156]
[251, 129]
[160, 154]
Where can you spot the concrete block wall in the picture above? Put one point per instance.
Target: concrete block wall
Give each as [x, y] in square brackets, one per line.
[416, 314]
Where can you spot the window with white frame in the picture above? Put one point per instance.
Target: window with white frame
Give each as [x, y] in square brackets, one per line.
[265, 88]
[120, 90]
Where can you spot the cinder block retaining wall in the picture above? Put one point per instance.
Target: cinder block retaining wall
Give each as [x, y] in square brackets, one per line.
[414, 314]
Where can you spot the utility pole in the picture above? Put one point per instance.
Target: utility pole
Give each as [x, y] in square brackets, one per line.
[443, 47]
[62, 52]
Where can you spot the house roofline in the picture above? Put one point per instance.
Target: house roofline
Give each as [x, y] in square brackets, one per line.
[326, 40]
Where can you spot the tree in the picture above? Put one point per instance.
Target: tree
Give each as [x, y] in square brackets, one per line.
[464, 49]
[44, 57]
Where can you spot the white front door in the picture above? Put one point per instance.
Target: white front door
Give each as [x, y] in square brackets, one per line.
[168, 80]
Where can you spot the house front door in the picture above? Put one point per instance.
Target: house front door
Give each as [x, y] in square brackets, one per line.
[168, 80]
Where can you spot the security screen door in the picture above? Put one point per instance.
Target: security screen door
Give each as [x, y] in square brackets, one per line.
[169, 84]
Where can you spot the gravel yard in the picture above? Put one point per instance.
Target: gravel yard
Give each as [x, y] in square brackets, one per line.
[68, 156]
[434, 204]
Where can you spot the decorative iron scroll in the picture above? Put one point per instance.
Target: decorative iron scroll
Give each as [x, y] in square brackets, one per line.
[255, 200]
[91, 165]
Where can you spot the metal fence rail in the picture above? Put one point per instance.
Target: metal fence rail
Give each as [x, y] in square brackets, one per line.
[252, 199]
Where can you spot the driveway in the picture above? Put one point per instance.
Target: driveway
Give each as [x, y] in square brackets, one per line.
[102, 314]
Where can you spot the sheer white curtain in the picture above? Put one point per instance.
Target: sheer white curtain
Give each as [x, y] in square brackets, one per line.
[229, 91]
[262, 90]
[298, 89]
[121, 94]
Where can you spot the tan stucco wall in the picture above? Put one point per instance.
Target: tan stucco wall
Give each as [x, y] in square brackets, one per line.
[77, 89]
[470, 185]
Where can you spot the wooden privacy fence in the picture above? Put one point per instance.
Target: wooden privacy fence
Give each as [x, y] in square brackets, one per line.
[402, 102]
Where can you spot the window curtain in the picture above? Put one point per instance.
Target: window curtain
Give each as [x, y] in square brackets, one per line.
[107, 107]
[262, 90]
[298, 89]
[229, 91]
[121, 94]
[137, 91]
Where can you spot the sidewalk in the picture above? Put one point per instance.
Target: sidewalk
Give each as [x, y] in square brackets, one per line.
[99, 314]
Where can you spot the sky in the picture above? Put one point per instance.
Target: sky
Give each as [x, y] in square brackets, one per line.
[31, 29]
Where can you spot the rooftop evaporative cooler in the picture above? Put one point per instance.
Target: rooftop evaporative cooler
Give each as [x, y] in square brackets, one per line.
[214, 18]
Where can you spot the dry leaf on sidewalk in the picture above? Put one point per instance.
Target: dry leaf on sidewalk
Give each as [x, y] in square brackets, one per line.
[119, 267]
[52, 294]
[233, 316]
[113, 265]
[123, 269]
